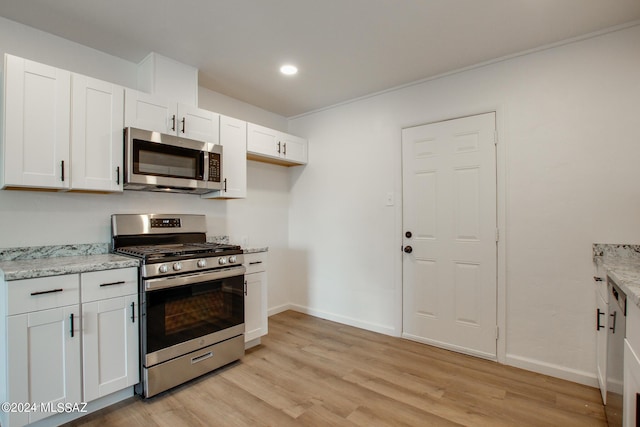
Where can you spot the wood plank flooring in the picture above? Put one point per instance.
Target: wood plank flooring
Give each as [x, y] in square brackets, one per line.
[313, 372]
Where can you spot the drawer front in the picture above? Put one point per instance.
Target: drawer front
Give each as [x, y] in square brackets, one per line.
[255, 262]
[98, 285]
[42, 293]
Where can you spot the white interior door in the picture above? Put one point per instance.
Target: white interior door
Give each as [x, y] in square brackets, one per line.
[449, 209]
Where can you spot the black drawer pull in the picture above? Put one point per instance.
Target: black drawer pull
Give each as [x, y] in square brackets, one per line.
[133, 312]
[121, 282]
[46, 292]
[255, 262]
[71, 324]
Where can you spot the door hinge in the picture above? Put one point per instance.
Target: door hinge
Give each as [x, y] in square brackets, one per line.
[497, 235]
[497, 332]
[495, 137]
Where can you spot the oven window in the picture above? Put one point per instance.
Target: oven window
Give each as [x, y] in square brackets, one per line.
[176, 315]
[151, 158]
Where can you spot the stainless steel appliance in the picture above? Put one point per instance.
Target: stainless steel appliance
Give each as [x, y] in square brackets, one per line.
[615, 353]
[191, 297]
[158, 162]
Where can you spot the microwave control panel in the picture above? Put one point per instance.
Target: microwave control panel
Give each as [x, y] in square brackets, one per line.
[214, 167]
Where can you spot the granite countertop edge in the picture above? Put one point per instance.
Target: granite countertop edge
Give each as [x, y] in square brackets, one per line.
[622, 264]
[57, 266]
[255, 250]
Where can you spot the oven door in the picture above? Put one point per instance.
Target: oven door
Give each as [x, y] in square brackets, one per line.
[181, 314]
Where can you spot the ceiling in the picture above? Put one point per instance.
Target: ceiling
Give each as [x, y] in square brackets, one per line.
[344, 49]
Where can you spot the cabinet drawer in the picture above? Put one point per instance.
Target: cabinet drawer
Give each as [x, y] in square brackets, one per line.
[42, 293]
[98, 285]
[255, 262]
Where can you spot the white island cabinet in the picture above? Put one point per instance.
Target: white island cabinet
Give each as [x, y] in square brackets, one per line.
[631, 394]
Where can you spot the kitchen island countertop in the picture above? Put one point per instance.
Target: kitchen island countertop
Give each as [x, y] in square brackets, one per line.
[622, 264]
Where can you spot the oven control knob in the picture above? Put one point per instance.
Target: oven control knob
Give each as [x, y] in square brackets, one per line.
[202, 263]
[177, 266]
[163, 268]
[233, 259]
[222, 261]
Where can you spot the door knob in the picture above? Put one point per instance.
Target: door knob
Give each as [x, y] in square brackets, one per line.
[408, 249]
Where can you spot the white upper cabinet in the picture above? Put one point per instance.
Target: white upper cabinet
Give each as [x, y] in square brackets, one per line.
[155, 113]
[233, 138]
[97, 120]
[35, 135]
[272, 146]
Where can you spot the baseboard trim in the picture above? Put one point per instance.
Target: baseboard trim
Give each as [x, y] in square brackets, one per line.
[369, 326]
[553, 370]
[278, 309]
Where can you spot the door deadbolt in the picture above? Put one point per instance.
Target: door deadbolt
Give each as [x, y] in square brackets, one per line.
[408, 234]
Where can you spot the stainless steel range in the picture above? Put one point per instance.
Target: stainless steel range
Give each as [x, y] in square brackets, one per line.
[191, 297]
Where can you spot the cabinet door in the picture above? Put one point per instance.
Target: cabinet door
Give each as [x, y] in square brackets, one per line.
[630, 414]
[110, 346]
[262, 141]
[294, 148]
[44, 357]
[36, 134]
[233, 138]
[149, 112]
[96, 134]
[196, 123]
[255, 306]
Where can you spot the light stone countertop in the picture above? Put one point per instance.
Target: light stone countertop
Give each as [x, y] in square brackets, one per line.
[43, 267]
[255, 250]
[622, 265]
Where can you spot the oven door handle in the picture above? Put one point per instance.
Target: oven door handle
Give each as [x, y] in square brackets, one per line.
[190, 279]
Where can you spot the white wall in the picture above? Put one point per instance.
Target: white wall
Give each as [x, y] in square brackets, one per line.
[30, 218]
[568, 118]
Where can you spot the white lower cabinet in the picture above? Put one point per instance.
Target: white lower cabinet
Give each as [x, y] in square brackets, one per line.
[58, 348]
[42, 345]
[255, 300]
[109, 332]
[602, 316]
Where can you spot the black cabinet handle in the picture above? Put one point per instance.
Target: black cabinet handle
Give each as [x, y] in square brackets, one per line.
[255, 262]
[117, 175]
[121, 282]
[600, 313]
[173, 122]
[62, 171]
[225, 185]
[278, 147]
[284, 148]
[71, 322]
[597, 279]
[245, 288]
[183, 124]
[613, 327]
[133, 312]
[46, 292]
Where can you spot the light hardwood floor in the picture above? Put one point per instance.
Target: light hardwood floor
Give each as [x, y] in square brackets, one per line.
[313, 372]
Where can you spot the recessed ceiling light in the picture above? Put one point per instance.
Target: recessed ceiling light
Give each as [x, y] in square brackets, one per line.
[289, 69]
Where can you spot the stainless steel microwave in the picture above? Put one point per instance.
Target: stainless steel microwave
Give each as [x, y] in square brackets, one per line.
[155, 161]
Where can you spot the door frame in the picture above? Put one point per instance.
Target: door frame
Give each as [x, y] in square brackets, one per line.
[501, 220]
